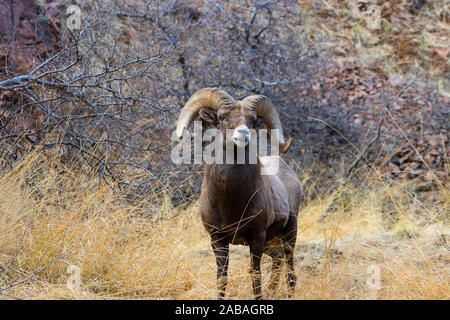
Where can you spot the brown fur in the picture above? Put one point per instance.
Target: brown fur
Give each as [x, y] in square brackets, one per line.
[241, 206]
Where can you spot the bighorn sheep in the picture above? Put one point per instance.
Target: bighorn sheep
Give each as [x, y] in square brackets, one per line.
[238, 204]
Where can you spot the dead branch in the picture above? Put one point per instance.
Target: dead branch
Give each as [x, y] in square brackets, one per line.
[32, 275]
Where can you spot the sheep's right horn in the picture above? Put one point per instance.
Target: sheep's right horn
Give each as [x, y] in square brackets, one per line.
[211, 98]
[265, 109]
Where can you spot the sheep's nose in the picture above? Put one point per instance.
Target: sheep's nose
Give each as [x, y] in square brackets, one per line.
[243, 130]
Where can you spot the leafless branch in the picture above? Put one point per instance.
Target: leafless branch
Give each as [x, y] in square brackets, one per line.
[32, 275]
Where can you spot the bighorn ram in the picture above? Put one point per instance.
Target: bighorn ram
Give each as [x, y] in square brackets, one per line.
[238, 204]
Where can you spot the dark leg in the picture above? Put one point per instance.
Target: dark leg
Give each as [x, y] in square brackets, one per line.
[221, 250]
[275, 250]
[256, 250]
[289, 239]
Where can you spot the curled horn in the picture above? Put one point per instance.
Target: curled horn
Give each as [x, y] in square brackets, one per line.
[265, 109]
[211, 98]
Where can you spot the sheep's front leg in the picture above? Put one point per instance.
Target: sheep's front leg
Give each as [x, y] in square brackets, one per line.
[256, 250]
[221, 250]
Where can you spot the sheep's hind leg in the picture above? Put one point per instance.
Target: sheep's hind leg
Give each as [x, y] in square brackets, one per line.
[274, 249]
[221, 250]
[289, 239]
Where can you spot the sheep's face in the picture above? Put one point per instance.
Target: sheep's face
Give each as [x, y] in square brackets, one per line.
[236, 120]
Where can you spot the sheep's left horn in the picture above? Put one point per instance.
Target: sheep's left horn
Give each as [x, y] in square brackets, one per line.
[265, 109]
[211, 98]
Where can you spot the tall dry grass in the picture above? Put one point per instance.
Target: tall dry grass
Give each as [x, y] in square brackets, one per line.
[56, 222]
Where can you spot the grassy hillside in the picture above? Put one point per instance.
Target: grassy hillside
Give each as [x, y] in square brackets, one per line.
[56, 223]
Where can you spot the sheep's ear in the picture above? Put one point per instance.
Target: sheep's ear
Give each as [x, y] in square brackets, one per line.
[208, 115]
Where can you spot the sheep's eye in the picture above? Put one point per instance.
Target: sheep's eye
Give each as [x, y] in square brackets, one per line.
[221, 117]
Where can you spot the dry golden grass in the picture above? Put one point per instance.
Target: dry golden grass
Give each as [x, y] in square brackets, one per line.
[54, 218]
